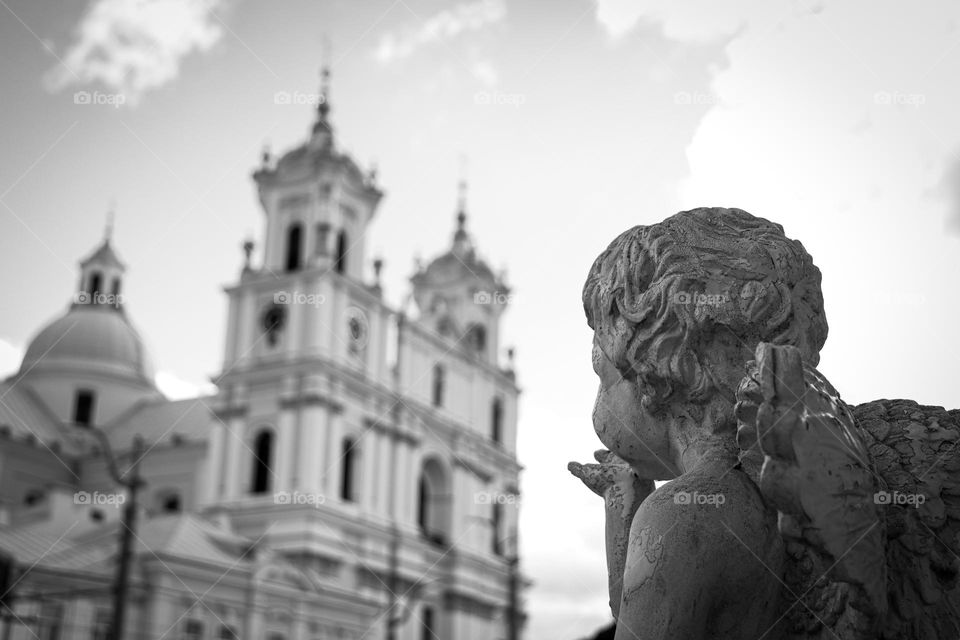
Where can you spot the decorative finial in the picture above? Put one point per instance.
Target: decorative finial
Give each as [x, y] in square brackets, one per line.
[323, 106]
[108, 227]
[247, 253]
[265, 155]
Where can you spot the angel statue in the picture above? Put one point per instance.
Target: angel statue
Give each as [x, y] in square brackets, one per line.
[787, 513]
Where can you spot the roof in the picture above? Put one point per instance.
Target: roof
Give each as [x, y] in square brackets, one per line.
[182, 535]
[105, 255]
[24, 417]
[189, 419]
[90, 334]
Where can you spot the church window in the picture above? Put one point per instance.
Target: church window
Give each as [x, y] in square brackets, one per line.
[95, 282]
[349, 471]
[340, 264]
[83, 406]
[294, 242]
[439, 383]
[427, 632]
[496, 420]
[262, 453]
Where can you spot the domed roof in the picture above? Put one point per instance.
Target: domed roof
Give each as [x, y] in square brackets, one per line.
[90, 337]
[460, 262]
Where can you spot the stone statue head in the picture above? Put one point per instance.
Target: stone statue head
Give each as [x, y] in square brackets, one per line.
[677, 310]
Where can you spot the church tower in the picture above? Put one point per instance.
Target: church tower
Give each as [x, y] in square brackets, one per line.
[373, 449]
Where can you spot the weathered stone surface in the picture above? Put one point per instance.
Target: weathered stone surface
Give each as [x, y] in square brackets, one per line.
[788, 514]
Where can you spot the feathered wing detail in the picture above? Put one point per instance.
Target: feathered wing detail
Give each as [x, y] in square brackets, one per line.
[869, 502]
[915, 450]
[817, 473]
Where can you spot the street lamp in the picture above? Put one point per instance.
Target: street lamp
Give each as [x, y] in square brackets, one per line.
[132, 482]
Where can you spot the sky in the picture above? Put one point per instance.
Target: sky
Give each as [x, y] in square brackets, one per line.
[572, 121]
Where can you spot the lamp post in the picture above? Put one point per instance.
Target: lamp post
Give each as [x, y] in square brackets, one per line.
[132, 481]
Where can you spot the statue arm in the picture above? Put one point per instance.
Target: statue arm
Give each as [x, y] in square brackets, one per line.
[623, 491]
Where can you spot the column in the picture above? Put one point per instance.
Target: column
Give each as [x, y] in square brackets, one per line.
[408, 479]
[286, 442]
[212, 479]
[310, 449]
[384, 468]
[333, 458]
[238, 458]
[369, 457]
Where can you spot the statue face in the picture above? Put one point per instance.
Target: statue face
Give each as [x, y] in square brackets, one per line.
[625, 427]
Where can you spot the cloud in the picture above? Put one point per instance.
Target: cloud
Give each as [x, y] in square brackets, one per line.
[132, 46]
[693, 21]
[177, 388]
[441, 27]
[10, 357]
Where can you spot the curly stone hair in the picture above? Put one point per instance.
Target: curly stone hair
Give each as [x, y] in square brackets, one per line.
[673, 303]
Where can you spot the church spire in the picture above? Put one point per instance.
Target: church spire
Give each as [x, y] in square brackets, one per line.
[108, 225]
[322, 134]
[461, 239]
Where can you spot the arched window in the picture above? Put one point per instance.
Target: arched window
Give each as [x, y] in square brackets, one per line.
[433, 508]
[115, 290]
[294, 242]
[496, 420]
[262, 452]
[83, 405]
[439, 383]
[349, 471]
[427, 632]
[340, 264]
[478, 338]
[95, 281]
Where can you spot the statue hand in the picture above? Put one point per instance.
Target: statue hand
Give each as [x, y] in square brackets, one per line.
[612, 476]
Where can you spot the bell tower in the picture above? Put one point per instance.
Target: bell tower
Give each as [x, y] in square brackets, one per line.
[459, 296]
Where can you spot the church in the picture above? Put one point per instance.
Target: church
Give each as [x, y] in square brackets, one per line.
[354, 475]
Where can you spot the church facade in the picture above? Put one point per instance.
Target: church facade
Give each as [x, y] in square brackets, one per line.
[354, 476]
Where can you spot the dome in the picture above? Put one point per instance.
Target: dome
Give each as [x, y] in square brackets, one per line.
[455, 266]
[91, 338]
